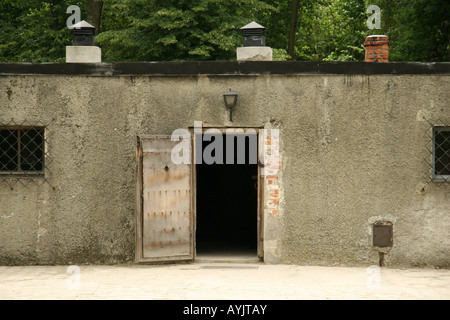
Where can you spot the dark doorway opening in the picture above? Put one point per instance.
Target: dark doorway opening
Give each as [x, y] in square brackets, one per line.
[227, 198]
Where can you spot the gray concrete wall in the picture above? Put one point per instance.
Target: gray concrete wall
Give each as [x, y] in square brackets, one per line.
[352, 149]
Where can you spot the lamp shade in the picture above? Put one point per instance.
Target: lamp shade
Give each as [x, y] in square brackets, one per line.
[230, 99]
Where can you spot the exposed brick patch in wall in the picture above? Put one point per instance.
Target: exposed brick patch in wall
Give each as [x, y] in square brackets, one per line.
[377, 48]
[272, 166]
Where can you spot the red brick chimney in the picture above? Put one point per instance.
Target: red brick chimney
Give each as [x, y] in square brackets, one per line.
[377, 48]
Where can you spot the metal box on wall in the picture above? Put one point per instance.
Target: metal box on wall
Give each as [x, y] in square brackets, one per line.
[383, 234]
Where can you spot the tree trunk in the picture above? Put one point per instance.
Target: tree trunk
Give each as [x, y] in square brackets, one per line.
[94, 13]
[55, 11]
[293, 27]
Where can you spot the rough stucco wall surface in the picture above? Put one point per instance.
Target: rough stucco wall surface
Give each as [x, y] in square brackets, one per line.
[352, 153]
[357, 154]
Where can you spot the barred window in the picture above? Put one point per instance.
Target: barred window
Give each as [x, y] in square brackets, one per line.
[441, 153]
[21, 150]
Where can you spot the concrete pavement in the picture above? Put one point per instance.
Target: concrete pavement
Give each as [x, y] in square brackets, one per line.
[221, 281]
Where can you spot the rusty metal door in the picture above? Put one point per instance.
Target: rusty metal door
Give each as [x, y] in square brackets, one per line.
[165, 229]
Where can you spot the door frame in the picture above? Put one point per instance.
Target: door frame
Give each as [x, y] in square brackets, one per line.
[260, 184]
[139, 199]
[193, 182]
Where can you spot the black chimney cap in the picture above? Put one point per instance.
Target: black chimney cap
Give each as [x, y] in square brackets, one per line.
[83, 34]
[254, 35]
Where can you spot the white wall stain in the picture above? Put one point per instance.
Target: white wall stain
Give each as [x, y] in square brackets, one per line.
[423, 115]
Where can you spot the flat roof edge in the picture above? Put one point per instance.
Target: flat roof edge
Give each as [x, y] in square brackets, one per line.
[193, 68]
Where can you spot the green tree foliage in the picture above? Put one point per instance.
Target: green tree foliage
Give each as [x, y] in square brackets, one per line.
[33, 30]
[419, 30]
[326, 29]
[156, 30]
[332, 30]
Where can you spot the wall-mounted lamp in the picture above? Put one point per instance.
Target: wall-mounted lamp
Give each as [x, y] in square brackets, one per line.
[230, 99]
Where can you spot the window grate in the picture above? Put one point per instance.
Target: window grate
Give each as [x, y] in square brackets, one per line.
[24, 153]
[438, 147]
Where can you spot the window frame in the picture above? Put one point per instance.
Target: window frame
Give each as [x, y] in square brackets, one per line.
[438, 177]
[19, 172]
